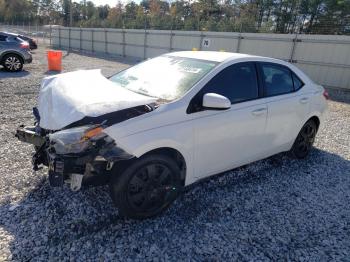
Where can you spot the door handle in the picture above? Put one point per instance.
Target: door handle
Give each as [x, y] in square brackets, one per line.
[259, 112]
[303, 100]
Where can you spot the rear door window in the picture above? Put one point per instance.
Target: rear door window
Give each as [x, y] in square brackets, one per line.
[277, 79]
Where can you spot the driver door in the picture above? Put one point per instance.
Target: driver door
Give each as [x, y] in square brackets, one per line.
[225, 139]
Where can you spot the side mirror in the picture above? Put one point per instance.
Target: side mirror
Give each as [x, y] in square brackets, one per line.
[216, 102]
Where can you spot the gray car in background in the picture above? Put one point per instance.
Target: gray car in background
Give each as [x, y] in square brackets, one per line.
[14, 52]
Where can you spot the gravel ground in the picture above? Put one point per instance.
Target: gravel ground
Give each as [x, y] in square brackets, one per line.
[274, 209]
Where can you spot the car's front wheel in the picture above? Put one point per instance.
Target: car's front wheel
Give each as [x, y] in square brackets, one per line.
[12, 63]
[304, 141]
[146, 187]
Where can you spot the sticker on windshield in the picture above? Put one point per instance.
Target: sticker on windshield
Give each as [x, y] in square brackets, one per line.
[190, 70]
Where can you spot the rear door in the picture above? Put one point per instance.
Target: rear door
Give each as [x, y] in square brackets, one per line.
[225, 139]
[287, 105]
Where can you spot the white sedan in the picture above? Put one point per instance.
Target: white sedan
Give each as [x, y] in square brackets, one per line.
[170, 121]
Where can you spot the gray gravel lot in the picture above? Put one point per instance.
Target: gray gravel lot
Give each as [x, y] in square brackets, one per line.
[274, 209]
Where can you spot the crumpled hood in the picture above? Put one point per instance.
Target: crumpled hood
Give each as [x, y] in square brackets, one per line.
[69, 97]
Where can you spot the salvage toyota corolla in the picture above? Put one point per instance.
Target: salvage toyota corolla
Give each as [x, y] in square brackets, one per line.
[165, 123]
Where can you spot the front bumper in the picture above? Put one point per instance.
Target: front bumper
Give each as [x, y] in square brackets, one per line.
[29, 134]
[97, 160]
[60, 167]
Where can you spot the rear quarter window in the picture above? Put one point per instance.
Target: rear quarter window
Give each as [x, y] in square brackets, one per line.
[298, 84]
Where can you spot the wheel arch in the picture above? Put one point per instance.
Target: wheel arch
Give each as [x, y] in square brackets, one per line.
[176, 142]
[174, 154]
[314, 117]
[9, 53]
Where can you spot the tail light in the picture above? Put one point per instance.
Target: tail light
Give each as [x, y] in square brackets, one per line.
[325, 94]
[24, 45]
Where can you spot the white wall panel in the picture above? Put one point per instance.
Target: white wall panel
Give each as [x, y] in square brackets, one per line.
[75, 38]
[325, 58]
[336, 52]
[114, 36]
[115, 49]
[152, 52]
[327, 76]
[135, 37]
[134, 51]
[186, 40]
[158, 38]
[220, 41]
[277, 46]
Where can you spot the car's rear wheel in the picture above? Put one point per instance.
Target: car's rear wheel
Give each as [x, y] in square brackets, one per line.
[13, 63]
[146, 187]
[304, 141]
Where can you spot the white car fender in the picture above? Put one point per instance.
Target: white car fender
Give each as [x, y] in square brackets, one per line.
[178, 136]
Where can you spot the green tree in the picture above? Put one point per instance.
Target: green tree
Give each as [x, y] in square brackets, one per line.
[115, 16]
[281, 16]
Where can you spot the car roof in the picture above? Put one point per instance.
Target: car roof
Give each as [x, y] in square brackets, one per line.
[212, 55]
[8, 34]
[222, 57]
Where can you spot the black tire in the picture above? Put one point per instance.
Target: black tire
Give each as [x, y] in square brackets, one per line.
[304, 141]
[146, 187]
[12, 63]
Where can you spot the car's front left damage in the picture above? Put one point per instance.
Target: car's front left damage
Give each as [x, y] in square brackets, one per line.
[78, 151]
[75, 146]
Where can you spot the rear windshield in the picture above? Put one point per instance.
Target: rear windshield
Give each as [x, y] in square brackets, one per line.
[24, 37]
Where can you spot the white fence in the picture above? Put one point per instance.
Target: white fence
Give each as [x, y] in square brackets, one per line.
[325, 58]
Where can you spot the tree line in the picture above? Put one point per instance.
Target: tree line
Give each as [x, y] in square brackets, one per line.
[278, 16]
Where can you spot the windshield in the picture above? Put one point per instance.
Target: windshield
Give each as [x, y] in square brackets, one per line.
[163, 77]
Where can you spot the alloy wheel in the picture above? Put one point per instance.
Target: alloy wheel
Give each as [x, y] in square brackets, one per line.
[305, 139]
[13, 63]
[151, 188]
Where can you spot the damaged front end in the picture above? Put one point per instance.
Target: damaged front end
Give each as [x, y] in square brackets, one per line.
[76, 152]
[73, 111]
